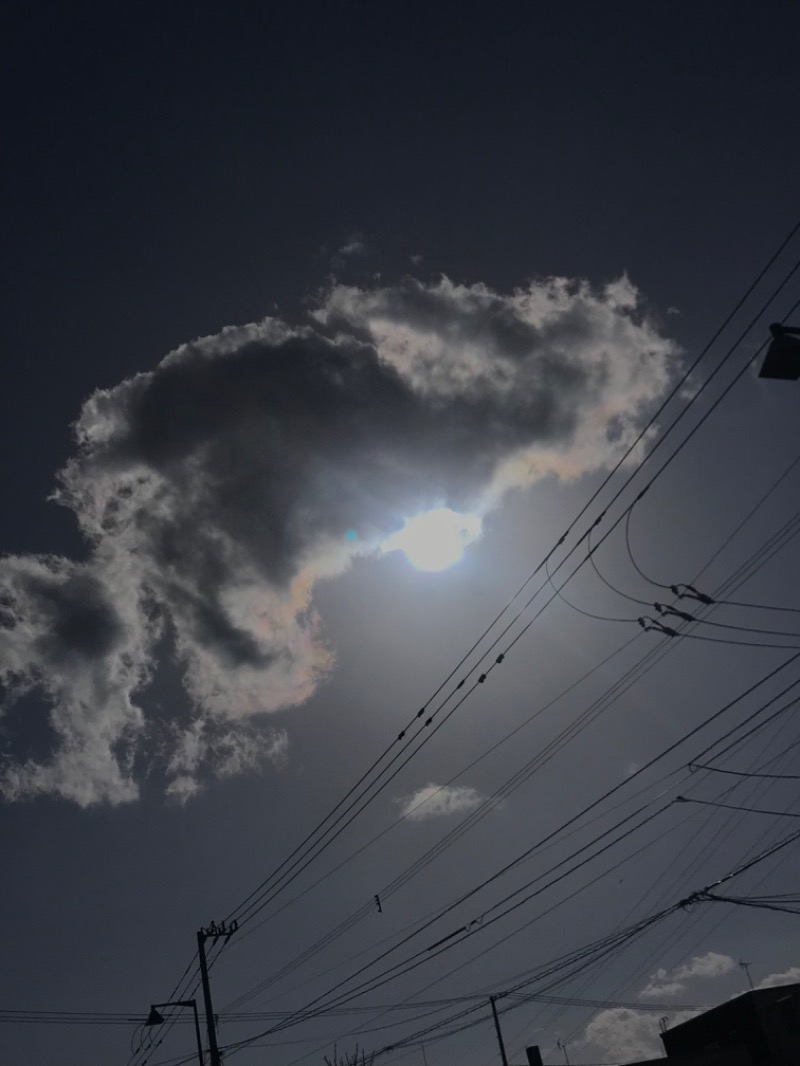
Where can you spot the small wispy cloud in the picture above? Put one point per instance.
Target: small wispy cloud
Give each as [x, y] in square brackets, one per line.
[231, 751]
[355, 246]
[438, 801]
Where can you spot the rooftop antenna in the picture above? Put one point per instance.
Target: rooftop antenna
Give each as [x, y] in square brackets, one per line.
[563, 1047]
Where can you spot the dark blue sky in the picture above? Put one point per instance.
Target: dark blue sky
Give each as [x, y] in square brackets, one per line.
[175, 169]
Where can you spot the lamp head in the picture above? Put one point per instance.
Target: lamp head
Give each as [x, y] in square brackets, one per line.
[782, 360]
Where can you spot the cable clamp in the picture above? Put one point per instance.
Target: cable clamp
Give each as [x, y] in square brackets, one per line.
[663, 609]
[684, 591]
[647, 623]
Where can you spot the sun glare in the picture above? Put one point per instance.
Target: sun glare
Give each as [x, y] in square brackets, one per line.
[436, 539]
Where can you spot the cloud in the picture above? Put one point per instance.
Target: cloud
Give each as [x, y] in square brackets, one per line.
[355, 246]
[712, 964]
[352, 249]
[437, 801]
[232, 751]
[664, 983]
[80, 636]
[217, 489]
[788, 977]
[624, 1035]
[662, 988]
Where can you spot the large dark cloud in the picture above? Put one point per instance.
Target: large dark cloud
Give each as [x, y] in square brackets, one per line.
[216, 489]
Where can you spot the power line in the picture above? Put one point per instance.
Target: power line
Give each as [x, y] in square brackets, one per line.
[743, 773]
[704, 852]
[249, 906]
[754, 509]
[403, 967]
[483, 952]
[252, 903]
[639, 927]
[385, 891]
[732, 807]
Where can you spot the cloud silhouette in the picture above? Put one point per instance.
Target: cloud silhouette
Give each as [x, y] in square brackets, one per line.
[215, 490]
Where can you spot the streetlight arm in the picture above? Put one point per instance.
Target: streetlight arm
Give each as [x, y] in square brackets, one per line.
[156, 1018]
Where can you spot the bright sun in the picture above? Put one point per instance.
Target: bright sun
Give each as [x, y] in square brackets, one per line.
[436, 539]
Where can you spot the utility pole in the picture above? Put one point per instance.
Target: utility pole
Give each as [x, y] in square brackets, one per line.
[212, 933]
[746, 967]
[499, 1033]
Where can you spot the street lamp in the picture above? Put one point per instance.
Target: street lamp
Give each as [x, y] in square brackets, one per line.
[155, 1017]
[783, 355]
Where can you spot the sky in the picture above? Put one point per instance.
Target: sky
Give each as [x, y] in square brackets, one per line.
[373, 373]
